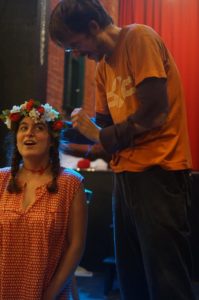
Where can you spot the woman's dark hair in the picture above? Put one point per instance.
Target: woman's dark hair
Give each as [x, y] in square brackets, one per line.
[13, 186]
[16, 159]
[55, 165]
[76, 15]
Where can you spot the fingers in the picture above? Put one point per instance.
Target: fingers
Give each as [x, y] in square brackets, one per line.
[79, 118]
[77, 110]
[81, 122]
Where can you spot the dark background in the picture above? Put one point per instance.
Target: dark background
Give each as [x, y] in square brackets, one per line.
[23, 70]
[99, 242]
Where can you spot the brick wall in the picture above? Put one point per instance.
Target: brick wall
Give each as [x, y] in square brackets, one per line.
[55, 81]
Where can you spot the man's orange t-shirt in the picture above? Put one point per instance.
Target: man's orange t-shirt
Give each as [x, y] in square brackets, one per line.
[139, 54]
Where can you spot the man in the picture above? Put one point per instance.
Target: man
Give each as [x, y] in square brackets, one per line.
[140, 120]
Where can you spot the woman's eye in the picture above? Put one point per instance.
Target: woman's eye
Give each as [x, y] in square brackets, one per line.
[39, 127]
[23, 128]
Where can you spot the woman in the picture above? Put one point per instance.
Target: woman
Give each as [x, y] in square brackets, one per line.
[43, 214]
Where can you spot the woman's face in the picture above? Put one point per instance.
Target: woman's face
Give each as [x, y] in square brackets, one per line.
[33, 139]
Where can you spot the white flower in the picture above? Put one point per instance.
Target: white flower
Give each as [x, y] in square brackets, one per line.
[23, 106]
[47, 107]
[15, 109]
[8, 123]
[50, 114]
[34, 114]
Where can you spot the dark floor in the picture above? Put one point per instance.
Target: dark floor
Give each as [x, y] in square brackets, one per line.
[92, 288]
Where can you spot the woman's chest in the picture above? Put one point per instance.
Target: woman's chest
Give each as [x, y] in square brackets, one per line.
[33, 212]
[29, 196]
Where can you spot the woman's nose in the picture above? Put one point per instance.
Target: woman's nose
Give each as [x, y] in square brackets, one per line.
[30, 131]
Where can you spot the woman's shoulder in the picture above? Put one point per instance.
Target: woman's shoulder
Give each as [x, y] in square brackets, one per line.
[4, 172]
[71, 174]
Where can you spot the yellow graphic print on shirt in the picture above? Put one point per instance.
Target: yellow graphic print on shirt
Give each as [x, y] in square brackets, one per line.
[120, 90]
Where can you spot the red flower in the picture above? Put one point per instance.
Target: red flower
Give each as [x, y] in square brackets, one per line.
[58, 125]
[30, 104]
[41, 110]
[15, 117]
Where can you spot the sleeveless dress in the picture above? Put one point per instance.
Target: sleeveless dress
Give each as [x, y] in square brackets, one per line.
[33, 240]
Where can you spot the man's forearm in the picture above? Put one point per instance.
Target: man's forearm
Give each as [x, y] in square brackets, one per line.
[151, 115]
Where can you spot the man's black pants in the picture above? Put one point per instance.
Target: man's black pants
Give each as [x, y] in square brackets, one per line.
[151, 234]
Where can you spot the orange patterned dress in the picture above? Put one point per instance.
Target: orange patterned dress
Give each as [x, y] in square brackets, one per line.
[32, 241]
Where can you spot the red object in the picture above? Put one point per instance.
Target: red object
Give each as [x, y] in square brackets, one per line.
[58, 125]
[83, 163]
[41, 110]
[15, 117]
[30, 105]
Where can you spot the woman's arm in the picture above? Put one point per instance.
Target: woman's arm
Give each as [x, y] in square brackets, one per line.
[76, 242]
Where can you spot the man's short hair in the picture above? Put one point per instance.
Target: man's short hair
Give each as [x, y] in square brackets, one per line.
[75, 15]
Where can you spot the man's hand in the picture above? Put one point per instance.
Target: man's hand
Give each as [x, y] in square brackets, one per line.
[84, 125]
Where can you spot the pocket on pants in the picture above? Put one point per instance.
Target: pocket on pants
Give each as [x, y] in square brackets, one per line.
[173, 199]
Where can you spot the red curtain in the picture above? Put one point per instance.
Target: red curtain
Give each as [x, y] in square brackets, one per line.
[177, 21]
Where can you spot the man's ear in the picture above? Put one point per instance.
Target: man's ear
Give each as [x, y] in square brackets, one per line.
[94, 27]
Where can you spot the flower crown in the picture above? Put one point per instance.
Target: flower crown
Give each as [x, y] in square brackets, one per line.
[36, 111]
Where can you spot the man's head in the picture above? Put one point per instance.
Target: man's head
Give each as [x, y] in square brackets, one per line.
[77, 25]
